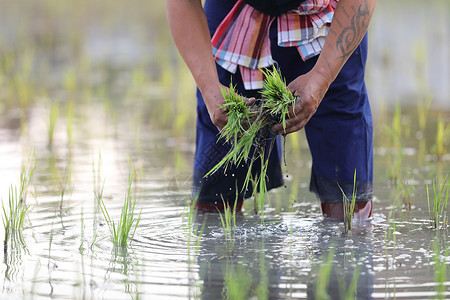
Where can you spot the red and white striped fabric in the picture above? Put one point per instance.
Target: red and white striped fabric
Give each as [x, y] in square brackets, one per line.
[242, 39]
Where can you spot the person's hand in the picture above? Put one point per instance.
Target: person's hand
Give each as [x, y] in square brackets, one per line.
[213, 100]
[310, 88]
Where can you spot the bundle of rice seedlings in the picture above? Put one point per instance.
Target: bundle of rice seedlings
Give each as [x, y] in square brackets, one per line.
[249, 127]
[238, 114]
[278, 98]
[238, 130]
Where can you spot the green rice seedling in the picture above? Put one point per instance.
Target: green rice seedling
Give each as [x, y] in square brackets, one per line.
[15, 212]
[405, 192]
[260, 187]
[438, 209]
[389, 233]
[123, 231]
[198, 236]
[189, 215]
[440, 270]
[349, 205]
[324, 277]
[70, 114]
[26, 173]
[228, 220]
[260, 190]
[397, 124]
[53, 116]
[442, 133]
[241, 139]
[64, 190]
[393, 234]
[24, 88]
[396, 158]
[423, 107]
[278, 97]
[238, 114]
[13, 217]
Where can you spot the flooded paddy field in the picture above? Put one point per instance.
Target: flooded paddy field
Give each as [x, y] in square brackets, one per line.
[93, 92]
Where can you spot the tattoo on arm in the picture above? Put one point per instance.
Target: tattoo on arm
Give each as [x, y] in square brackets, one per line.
[345, 12]
[351, 35]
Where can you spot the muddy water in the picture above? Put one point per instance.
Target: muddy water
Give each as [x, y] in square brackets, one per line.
[131, 114]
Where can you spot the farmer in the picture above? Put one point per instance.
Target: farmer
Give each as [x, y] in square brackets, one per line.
[320, 47]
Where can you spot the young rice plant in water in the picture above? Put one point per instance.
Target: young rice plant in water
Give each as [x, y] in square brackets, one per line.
[249, 128]
[228, 220]
[13, 217]
[438, 208]
[349, 206]
[193, 233]
[16, 209]
[123, 231]
[442, 133]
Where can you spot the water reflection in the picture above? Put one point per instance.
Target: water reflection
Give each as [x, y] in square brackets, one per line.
[272, 262]
[251, 271]
[352, 273]
[16, 254]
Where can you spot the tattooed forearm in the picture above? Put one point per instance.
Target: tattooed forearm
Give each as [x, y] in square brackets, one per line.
[350, 22]
[351, 35]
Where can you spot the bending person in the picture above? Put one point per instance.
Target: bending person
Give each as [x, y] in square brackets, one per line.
[320, 47]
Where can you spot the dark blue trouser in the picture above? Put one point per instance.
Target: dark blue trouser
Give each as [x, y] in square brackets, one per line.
[340, 134]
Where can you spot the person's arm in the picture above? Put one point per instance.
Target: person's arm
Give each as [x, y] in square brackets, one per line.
[189, 28]
[349, 25]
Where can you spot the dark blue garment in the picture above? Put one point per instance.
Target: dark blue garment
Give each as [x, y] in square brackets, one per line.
[340, 134]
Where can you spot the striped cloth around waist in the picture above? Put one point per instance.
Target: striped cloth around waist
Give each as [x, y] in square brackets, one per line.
[242, 39]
